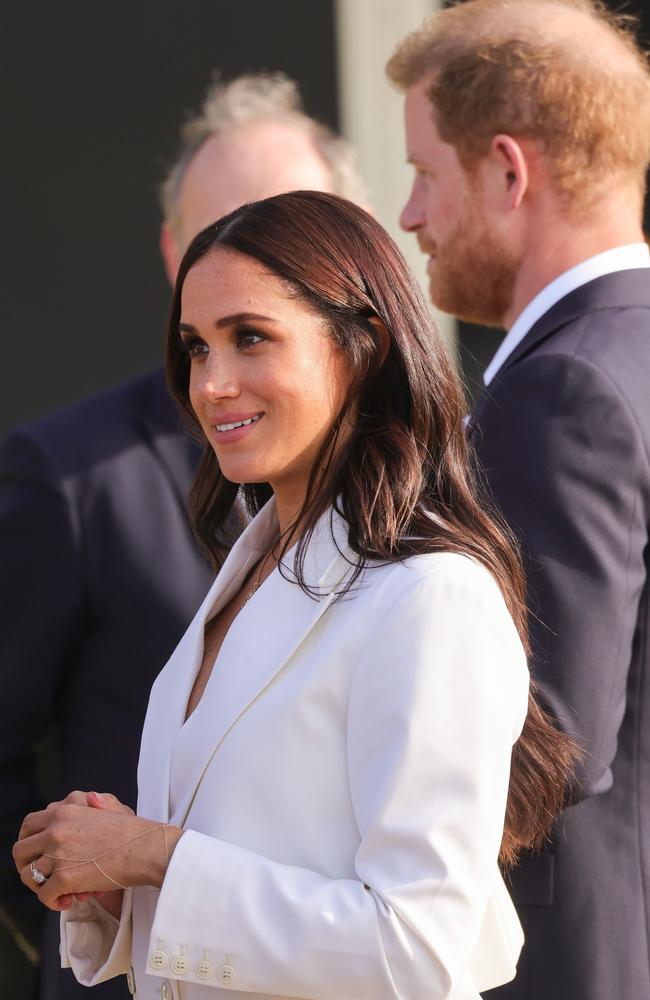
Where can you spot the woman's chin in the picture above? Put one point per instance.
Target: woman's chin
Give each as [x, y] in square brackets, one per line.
[242, 477]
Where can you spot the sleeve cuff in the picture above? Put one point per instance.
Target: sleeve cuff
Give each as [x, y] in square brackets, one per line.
[94, 944]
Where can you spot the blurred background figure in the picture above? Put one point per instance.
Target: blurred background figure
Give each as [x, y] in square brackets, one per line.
[100, 572]
[528, 128]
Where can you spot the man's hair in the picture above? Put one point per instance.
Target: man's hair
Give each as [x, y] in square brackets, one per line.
[565, 72]
[249, 99]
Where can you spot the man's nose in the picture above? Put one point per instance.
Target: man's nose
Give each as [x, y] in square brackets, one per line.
[411, 218]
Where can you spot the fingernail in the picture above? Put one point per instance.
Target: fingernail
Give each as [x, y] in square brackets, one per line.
[98, 796]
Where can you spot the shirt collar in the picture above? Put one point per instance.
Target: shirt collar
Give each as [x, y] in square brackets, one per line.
[625, 258]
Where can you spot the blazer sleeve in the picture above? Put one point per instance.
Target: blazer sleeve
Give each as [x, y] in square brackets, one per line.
[436, 703]
[566, 464]
[40, 612]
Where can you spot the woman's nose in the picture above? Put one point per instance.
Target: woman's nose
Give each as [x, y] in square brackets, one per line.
[216, 380]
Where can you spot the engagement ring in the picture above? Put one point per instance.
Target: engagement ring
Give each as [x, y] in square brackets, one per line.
[37, 874]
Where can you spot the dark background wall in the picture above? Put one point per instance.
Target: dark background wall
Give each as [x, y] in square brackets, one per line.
[93, 95]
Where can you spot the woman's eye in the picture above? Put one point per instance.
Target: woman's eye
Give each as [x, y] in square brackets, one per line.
[248, 338]
[194, 348]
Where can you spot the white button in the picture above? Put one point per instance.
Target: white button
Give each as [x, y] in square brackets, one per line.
[158, 959]
[180, 964]
[204, 969]
[227, 974]
[130, 981]
[166, 991]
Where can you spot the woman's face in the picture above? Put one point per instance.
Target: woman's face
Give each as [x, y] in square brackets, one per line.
[266, 379]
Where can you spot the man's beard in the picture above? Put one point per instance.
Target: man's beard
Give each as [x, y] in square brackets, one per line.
[473, 274]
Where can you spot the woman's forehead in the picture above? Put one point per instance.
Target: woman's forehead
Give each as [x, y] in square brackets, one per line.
[226, 282]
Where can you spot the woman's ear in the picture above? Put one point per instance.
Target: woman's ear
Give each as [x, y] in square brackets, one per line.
[383, 338]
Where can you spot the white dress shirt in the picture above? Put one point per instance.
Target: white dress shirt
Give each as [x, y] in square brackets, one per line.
[625, 258]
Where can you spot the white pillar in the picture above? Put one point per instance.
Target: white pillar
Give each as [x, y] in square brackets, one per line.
[371, 110]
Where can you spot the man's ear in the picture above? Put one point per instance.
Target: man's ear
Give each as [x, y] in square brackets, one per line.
[383, 338]
[508, 159]
[169, 253]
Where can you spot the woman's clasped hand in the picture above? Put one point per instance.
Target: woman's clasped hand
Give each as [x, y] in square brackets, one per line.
[90, 844]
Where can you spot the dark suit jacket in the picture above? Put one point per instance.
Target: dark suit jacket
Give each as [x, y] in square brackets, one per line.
[563, 433]
[100, 577]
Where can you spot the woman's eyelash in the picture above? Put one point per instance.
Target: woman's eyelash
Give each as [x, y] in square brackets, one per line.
[245, 333]
[192, 346]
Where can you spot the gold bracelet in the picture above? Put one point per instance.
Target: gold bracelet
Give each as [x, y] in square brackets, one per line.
[78, 863]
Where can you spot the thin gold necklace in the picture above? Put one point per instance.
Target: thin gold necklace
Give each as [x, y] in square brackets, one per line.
[257, 583]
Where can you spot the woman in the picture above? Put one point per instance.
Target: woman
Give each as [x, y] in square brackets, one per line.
[325, 763]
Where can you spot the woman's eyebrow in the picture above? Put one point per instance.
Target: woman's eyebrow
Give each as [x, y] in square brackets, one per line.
[243, 317]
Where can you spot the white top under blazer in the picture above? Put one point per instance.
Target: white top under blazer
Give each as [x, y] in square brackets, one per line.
[342, 784]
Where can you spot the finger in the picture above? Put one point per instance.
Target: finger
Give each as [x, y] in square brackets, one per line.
[81, 897]
[105, 800]
[28, 849]
[98, 801]
[57, 903]
[42, 865]
[37, 821]
[34, 822]
[59, 892]
[76, 798]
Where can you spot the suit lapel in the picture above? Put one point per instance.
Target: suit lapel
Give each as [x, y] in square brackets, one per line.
[177, 452]
[179, 455]
[260, 641]
[622, 289]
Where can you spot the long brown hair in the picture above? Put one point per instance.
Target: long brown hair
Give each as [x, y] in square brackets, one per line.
[402, 476]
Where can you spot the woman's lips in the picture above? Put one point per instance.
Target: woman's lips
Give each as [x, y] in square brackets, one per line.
[230, 429]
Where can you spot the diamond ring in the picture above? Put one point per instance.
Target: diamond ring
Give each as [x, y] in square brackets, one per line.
[37, 874]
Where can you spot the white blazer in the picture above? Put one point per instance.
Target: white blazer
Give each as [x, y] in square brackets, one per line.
[342, 783]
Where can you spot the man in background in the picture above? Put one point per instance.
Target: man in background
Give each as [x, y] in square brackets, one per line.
[100, 571]
[528, 126]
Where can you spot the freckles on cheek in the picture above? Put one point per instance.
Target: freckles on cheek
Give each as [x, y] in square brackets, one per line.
[199, 415]
[194, 396]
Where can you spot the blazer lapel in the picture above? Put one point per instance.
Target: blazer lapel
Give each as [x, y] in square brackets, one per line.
[171, 690]
[260, 641]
